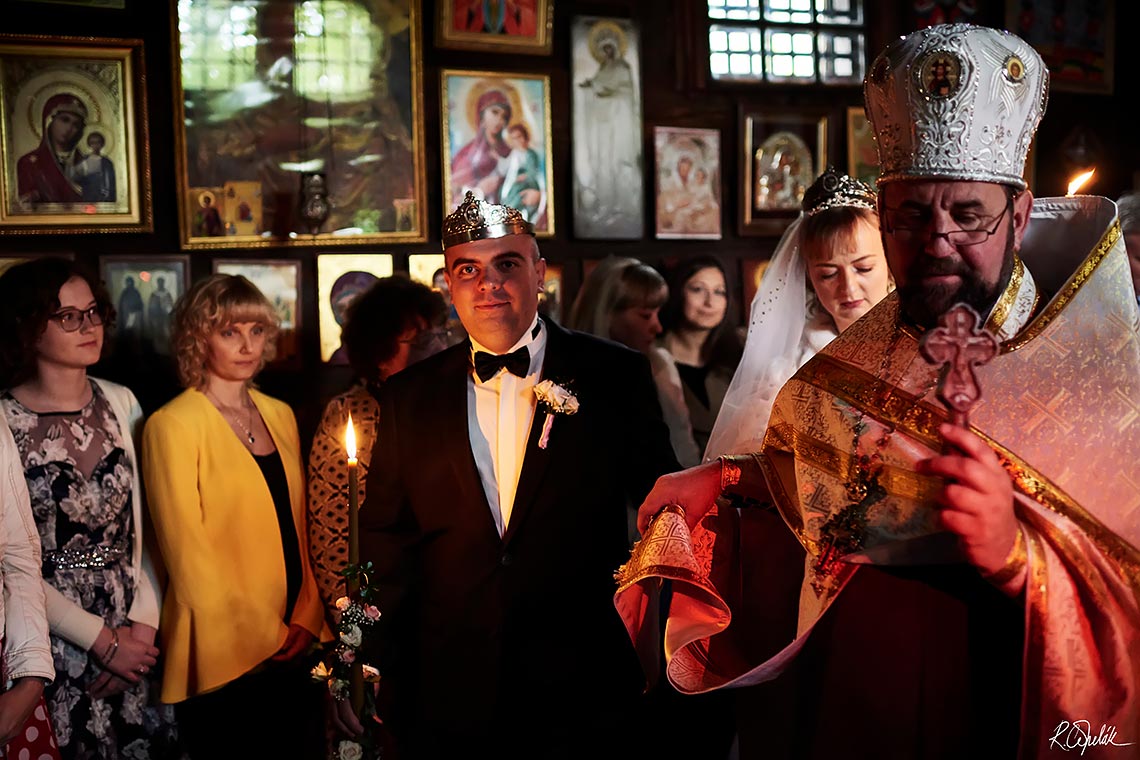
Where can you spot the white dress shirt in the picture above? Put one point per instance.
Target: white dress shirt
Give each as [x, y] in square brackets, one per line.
[499, 416]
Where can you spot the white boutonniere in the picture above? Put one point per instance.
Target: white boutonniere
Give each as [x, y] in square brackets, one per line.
[557, 400]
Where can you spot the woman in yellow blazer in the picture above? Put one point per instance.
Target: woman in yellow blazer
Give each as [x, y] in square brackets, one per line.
[222, 468]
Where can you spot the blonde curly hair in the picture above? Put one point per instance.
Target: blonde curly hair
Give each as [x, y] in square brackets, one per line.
[208, 306]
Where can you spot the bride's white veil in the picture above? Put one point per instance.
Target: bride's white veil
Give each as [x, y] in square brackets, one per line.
[787, 325]
[779, 316]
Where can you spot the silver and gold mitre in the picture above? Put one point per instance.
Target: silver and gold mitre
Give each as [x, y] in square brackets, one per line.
[958, 102]
[476, 219]
[834, 189]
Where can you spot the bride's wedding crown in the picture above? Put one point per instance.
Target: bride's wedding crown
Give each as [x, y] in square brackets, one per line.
[957, 102]
[476, 219]
[834, 189]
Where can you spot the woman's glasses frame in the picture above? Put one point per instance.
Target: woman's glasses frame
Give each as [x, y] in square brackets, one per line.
[70, 320]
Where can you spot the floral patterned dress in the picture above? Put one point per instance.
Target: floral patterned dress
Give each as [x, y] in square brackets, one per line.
[80, 480]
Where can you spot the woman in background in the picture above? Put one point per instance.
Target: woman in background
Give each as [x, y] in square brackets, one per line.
[75, 435]
[222, 463]
[701, 342]
[394, 323]
[620, 299]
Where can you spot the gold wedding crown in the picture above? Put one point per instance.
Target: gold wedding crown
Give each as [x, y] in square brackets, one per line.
[477, 219]
[834, 189]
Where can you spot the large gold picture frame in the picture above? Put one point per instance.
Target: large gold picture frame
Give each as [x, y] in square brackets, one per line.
[515, 26]
[83, 98]
[782, 151]
[497, 142]
[295, 88]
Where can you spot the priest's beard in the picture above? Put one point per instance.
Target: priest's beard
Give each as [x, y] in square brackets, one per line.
[924, 304]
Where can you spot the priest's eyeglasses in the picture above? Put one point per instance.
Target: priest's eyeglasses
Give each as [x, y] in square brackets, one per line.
[70, 320]
[910, 225]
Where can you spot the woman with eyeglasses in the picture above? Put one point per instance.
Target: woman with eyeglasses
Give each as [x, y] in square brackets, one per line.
[75, 435]
[396, 322]
[226, 489]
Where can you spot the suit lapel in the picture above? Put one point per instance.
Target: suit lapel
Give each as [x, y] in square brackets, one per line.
[555, 366]
[457, 436]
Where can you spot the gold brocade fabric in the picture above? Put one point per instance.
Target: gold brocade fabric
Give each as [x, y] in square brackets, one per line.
[1060, 407]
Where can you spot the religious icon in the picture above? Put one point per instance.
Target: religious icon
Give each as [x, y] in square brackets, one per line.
[144, 290]
[496, 136]
[71, 145]
[939, 74]
[292, 113]
[341, 277]
[688, 182]
[519, 26]
[608, 198]
[783, 171]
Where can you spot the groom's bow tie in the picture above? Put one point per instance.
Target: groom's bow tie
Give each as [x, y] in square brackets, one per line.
[488, 365]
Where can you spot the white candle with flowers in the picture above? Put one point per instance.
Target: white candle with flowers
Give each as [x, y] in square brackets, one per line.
[353, 502]
[356, 680]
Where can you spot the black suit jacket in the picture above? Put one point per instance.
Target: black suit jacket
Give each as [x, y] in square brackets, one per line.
[485, 637]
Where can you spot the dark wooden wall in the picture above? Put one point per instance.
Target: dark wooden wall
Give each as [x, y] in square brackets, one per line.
[675, 92]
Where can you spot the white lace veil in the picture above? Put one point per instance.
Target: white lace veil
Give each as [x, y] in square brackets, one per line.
[778, 329]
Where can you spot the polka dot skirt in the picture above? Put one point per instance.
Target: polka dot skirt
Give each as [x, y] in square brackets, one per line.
[36, 739]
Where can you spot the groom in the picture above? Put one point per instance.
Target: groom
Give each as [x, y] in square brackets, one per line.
[495, 535]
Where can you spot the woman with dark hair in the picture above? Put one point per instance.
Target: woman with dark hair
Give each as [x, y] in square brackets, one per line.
[394, 323]
[225, 482]
[697, 335]
[75, 435]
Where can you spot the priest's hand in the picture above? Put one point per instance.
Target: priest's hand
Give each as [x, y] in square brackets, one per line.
[977, 502]
[695, 490]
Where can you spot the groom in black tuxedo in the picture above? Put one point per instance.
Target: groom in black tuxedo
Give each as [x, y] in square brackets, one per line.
[495, 535]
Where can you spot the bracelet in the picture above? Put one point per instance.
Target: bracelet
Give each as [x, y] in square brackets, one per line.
[112, 648]
[1015, 562]
[729, 473]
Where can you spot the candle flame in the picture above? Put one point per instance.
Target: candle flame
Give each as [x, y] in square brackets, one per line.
[350, 440]
[1078, 182]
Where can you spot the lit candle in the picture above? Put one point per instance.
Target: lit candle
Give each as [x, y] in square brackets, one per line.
[1078, 182]
[353, 501]
[356, 682]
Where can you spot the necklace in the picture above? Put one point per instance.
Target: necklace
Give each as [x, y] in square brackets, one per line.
[229, 415]
[845, 531]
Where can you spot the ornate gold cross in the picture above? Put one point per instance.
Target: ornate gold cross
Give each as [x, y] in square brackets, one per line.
[959, 344]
